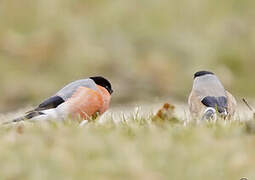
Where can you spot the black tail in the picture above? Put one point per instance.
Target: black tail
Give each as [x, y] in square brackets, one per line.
[28, 116]
[15, 120]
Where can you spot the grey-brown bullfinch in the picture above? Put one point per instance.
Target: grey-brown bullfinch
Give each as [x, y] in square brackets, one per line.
[209, 98]
[82, 98]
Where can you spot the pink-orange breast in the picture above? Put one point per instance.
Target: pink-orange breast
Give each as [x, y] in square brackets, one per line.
[106, 97]
[86, 102]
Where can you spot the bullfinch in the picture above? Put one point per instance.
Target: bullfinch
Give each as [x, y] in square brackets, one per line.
[209, 98]
[80, 99]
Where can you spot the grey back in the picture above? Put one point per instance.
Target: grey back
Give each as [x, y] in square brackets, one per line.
[208, 85]
[67, 91]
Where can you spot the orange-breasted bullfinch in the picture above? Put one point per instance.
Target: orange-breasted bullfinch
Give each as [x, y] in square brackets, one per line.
[209, 98]
[80, 99]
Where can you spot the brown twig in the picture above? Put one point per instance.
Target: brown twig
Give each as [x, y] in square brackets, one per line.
[247, 104]
[251, 108]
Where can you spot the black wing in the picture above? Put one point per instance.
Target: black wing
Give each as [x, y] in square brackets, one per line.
[50, 103]
[216, 102]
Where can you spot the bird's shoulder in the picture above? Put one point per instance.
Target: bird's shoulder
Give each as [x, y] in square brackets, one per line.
[71, 88]
[84, 92]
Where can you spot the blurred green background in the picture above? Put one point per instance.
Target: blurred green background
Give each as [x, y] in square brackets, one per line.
[149, 49]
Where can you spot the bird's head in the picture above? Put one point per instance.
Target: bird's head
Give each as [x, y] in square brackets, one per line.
[101, 81]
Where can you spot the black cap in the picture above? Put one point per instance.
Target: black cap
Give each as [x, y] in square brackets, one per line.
[202, 73]
[101, 81]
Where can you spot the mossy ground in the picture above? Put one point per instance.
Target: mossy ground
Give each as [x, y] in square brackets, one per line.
[134, 148]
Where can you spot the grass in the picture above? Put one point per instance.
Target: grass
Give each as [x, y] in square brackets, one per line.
[134, 148]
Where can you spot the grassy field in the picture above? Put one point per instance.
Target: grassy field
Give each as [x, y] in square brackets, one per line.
[149, 50]
[129, 145]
